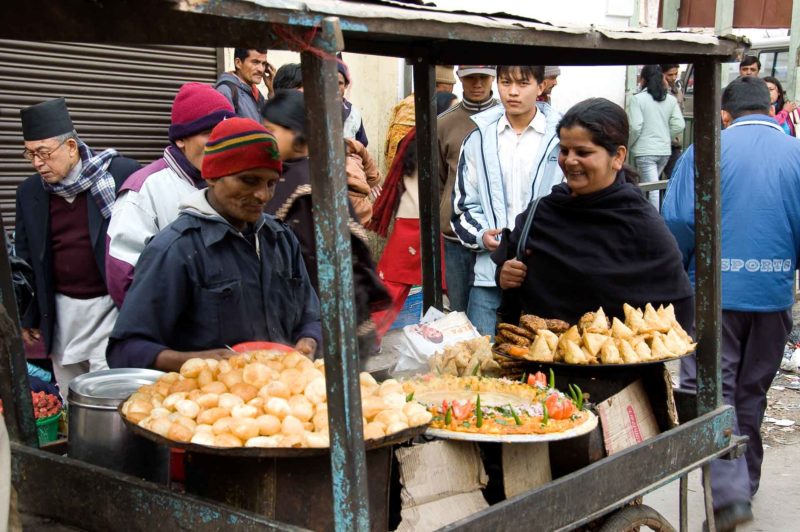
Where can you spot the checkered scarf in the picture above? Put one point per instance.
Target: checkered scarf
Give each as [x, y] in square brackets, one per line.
[94, 176]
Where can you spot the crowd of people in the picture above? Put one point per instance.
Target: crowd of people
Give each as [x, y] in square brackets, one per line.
[213, 243]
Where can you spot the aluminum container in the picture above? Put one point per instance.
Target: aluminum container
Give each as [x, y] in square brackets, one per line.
[96, 431]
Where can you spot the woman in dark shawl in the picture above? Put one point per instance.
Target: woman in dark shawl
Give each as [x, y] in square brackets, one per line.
[595, 240]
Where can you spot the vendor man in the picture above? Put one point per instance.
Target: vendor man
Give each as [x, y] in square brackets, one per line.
[223, 272]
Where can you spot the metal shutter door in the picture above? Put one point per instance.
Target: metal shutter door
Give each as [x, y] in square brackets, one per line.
[119, 97]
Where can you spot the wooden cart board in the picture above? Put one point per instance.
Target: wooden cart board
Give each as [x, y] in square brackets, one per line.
[584, 428]
[268, 452]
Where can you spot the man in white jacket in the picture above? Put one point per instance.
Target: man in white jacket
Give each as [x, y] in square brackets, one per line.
[508, 161]
[148, 200]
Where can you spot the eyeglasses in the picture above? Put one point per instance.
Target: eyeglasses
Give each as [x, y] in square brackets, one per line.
[42, 153]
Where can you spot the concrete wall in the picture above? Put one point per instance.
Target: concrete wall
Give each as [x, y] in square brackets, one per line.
[375, 88]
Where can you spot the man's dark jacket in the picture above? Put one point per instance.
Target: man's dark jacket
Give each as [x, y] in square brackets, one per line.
[34, 245]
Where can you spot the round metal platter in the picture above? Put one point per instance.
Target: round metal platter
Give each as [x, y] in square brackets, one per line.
[586, 427]
[267, 452]
[587, 367]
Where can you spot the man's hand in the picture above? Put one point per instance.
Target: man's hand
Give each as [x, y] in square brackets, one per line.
[31, 336]
[269, 76]
[490, 240]
[169, 360]
[306, 346]
[512, 274]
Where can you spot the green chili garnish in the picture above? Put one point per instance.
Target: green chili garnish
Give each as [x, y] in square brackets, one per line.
[478, 412]
[517, 420]
[545, 415]
[409, 397]
[476, 369]
[552, 379]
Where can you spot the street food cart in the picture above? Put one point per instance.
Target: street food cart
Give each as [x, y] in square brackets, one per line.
[95, 498]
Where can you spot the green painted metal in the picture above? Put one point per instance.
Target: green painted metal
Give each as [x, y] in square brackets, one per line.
[559, 505]
[335, 276]
[428, 164]
[708, 303]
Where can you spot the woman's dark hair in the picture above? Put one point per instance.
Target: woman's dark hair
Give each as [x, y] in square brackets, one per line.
[653, 82]
[781, 94]
[287, 109]
[288, 76]
[410, 159]
[607, 124]
[443, 101]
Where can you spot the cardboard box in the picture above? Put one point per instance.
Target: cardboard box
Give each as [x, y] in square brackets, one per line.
[627, 418]
[441, 483]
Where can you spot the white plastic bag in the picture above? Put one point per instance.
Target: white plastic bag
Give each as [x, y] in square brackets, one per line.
[791, 363]
[421, 341]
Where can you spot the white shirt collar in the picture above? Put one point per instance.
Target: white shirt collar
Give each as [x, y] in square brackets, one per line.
[538, 123]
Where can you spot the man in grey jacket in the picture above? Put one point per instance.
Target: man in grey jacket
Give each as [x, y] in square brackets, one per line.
[508, 161]
[240, 87]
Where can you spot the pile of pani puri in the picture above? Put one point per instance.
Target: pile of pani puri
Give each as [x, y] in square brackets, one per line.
[261, 399]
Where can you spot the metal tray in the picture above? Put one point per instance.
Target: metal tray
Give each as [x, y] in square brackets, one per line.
[588, 426]
[587, 367]
[266, 452]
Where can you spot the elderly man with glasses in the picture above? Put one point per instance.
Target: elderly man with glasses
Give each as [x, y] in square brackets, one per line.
[62, 218]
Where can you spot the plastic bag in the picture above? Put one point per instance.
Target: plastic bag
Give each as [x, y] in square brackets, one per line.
[421, 341]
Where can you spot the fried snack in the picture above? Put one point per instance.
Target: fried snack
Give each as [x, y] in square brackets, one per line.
[609, 354]
[628, 353]
[654, 322]
[593, 342]
[633, 318]
[620, 330]
[540, 351]
[557, 326]
[550, 337]
[516, 351]
[289, 409]
[516, 339]
[532, 322]
[519, 331]
[574, 354]
[473, 356]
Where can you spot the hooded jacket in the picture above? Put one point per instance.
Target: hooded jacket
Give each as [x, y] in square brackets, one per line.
[201, 284]
[245, 103]
[479, 202]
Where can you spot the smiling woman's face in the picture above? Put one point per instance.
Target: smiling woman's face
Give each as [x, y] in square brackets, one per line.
[588, 167]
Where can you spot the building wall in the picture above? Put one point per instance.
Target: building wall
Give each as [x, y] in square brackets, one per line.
[375, 88]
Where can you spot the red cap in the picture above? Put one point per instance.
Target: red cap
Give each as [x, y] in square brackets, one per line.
[197, 107]
[239, 144]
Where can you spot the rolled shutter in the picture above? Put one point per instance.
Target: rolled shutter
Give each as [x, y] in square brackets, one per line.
[119, 97]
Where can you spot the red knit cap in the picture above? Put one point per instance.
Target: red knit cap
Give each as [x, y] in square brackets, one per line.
[239, 144]
[197, 107]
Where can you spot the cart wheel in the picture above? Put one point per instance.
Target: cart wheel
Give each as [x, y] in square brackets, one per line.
[632, 518]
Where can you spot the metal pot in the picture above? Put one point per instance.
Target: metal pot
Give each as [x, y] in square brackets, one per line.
[96, 431]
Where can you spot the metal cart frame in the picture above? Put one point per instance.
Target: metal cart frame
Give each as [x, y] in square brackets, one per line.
[425, 39]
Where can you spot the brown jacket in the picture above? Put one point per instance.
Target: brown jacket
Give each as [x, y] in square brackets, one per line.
[362, 176]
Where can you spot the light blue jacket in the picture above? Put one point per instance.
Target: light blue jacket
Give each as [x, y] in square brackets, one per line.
[760, 195]
[479, 195]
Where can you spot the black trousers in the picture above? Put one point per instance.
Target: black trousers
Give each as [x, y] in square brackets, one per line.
[752, 349]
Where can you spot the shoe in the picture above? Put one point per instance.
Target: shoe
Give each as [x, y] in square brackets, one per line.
[728, 518]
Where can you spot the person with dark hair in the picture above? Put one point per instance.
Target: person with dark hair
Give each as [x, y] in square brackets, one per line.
[351, 115]
[63, 212]
[149, 199]
[444, 101]
[671, 77]
[223, 272]
[240, 87]
[655, 119]
[749, 66]
[292, 203]
[780, 108]
[760, 174]
[452, 127]
[561, 245]
[551, 73]
[508, 161]
[288, 76]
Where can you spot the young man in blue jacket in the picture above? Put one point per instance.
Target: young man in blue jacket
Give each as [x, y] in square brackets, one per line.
[760, 167]
[223, 272]
[508, 161]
